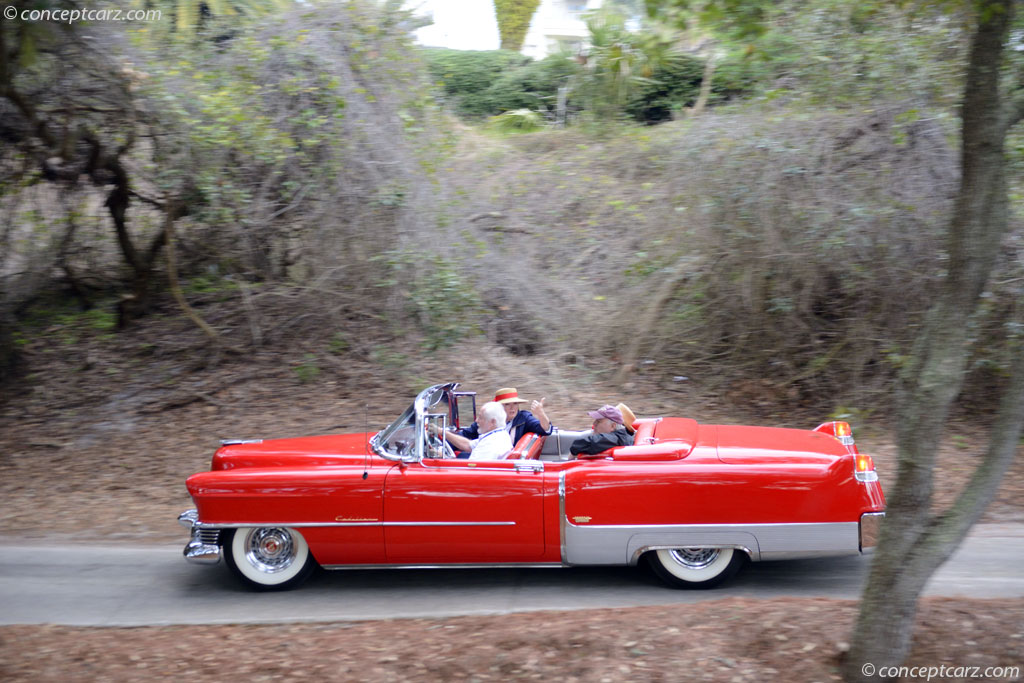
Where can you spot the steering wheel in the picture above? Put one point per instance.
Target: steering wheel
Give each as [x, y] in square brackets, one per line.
[437, 443]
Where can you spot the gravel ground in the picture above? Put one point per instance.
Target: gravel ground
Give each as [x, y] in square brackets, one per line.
[728, 640]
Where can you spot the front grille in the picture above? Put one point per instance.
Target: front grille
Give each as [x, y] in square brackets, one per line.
[209, 536]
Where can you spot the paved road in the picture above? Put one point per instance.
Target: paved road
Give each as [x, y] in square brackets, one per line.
[133, 586]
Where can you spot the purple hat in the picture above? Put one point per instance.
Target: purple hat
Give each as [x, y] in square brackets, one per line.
[608, 411]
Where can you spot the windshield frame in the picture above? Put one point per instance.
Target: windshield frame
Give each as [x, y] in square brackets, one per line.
[414, 416]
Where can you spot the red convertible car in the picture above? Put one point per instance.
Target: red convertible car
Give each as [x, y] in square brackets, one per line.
[692, 500]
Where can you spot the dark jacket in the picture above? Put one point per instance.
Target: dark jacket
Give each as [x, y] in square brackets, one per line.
[523, 422]
[598, 443]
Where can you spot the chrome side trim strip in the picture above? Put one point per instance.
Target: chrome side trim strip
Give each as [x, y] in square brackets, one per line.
[448, 523]
[461, 565]
[307, 525]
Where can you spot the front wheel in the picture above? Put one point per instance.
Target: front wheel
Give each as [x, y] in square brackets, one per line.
[268, 558]
[695, 567]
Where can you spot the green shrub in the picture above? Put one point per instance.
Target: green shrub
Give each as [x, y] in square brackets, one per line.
[530, 86]
[518, 121]
[464, 75]
[672, 85]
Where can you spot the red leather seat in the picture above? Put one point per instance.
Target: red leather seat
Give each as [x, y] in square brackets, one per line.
[527, 448]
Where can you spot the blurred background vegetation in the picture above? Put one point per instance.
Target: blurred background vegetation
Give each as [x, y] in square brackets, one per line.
[762, 214]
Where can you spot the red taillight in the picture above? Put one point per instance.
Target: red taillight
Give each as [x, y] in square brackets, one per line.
[841, 431]
[864, 468]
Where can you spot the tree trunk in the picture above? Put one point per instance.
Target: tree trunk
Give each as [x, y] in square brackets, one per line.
[914, 541]
[9, 357]
[705, 88]
[136, 304]
[514, 17]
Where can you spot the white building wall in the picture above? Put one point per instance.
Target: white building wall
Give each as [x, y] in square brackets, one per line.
[471, 25]
[558, 24]
[458, 24]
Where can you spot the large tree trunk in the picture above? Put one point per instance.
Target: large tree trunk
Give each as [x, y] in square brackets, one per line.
[915, 541]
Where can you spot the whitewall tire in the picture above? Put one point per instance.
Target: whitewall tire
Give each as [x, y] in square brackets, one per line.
[696, 567]
[268, 558]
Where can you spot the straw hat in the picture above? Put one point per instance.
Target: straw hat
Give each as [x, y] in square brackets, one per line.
[628, 418]
[508, 395]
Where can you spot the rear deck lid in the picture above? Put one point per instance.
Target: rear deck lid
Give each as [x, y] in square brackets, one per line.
[774, 445]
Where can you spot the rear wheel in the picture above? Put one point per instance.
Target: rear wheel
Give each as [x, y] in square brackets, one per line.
[695, 567]
[268, 558]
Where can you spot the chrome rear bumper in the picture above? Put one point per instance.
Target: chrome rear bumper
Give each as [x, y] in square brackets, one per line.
[870, 528]
[203, 547]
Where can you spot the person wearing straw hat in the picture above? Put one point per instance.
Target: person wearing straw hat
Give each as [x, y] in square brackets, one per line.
[613, 426]
[517, 421]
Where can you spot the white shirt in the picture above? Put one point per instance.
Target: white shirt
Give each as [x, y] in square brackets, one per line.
[494, 445]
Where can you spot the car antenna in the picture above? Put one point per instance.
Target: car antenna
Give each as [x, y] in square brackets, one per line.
[366, 432]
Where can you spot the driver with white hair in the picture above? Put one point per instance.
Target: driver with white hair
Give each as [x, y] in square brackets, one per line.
[494, 442]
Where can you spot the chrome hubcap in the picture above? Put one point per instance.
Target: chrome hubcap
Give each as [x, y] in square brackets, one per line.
[270, 550]
[694, 558]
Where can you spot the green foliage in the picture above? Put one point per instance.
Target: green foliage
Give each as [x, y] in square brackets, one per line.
[68, 323]
[514, 18]
[835, 51]
[263, 141]
[338, 344]
[852, 52]
[439, 300]
[518, 121]
[739, 19]
[187, 18]
[674, 84]
[533, 85]
[307, 371]
[209, 283]
[465, 76]
[623, 69]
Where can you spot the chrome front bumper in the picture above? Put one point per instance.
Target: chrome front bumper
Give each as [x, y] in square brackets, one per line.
[870, 528]
[203, 547]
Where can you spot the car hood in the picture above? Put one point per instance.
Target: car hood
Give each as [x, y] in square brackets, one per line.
[329, 449]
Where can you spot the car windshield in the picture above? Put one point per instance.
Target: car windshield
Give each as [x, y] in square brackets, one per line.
[399, 438]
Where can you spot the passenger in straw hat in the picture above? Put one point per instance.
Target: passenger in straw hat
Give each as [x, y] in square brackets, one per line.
[613, 426]
[517, 421]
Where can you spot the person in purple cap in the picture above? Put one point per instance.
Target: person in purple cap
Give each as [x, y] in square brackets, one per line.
[609, 430]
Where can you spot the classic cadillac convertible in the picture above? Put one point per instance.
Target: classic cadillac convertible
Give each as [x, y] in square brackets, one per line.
[692, 500]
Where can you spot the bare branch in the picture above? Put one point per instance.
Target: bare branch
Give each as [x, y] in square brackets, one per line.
[172, 277]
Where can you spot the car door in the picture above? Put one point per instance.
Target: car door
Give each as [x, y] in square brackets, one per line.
[462, 511]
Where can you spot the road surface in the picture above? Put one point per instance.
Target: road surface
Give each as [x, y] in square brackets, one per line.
[125, 585]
